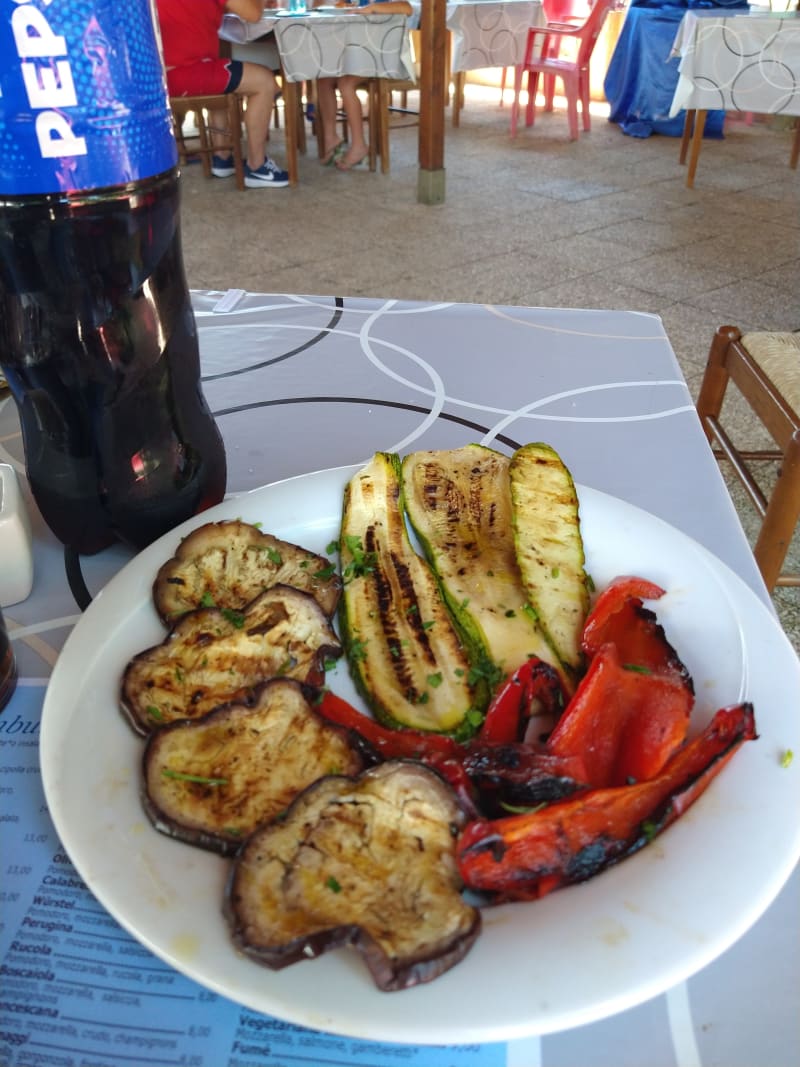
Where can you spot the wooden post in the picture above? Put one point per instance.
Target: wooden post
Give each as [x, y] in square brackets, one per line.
[433, 64]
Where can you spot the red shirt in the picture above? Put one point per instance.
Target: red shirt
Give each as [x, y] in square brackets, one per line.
[189, 30]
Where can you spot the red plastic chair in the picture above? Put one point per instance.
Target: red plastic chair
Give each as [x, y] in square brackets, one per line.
[558, 13]
[543, 55]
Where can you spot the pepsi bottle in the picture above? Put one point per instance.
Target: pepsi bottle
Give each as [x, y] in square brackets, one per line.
[97, 334]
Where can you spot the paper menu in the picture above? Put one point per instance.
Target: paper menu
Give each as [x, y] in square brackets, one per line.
[78, 991]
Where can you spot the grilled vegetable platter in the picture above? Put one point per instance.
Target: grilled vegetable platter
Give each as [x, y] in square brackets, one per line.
[520, 730]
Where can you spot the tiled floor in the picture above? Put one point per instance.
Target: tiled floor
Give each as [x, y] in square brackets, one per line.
[603, 222]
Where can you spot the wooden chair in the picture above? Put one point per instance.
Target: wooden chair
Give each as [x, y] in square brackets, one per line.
[200, 106]
[765, 367]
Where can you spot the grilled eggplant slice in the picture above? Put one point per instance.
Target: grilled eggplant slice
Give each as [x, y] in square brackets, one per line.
[213, 656]
[549, 547]
[405, 655]
[211, 782]
[459, 504]
[228, 564]
[366, 862]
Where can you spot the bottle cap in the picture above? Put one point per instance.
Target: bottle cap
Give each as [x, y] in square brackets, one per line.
[16, 552]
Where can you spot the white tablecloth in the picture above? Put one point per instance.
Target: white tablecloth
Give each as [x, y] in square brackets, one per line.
[749, 61]
[491, 33]
[326, 44]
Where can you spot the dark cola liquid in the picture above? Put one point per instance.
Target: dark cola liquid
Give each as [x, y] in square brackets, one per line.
[8, 666]
[99, 345]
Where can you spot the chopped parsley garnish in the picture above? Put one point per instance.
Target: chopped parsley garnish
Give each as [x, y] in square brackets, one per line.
[199, 779]
[649, 829]
[207, 600]
[333, 885]
[362, 563]
[637, 668]
[521, 809]
[235, 618]
[358, 650]
[787, 758]
[154, 713]
[274, 556]
[435, 680]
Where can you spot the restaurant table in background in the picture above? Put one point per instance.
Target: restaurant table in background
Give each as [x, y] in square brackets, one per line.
[323, 44]
[641, 77]
[486, 34]
[302, 383]
[745, 61]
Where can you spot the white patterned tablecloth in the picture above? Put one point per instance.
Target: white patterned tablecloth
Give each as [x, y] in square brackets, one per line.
[748, 61]
[491, 33]
[324, 44]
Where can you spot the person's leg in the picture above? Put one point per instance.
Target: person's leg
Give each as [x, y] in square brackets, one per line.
[259, 86]
[218, 127]
[327, 109]
[354, 114]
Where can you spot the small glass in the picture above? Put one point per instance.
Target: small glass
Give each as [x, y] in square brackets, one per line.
[8, 666]
[297, 7]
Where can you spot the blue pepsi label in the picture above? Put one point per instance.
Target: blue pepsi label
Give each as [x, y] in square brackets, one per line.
[83, 96]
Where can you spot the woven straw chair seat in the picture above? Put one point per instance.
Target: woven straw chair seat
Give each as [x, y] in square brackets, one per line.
[778, 355]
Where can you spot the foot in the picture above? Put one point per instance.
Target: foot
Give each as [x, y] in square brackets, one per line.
[334, 154]
[221, 167]
[353, 157]
[267, 175]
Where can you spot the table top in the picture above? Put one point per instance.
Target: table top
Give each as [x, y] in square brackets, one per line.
[739, 61]
[326, 43]
[491, 33]
[331, 380]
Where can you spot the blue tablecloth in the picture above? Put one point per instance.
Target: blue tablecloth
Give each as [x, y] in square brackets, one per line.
[641, 78]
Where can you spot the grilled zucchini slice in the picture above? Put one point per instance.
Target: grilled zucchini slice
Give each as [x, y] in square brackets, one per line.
[405, 655]
[459, 504]
[549, 547]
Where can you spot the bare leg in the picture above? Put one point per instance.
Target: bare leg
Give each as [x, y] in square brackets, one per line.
[218, 126]
[326, 106]
[259, 87]
[355, 122]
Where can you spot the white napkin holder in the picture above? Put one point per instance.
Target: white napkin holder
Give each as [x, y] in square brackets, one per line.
[16, 550]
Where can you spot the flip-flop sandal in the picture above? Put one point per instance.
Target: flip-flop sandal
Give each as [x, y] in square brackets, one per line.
[334, 155]
[341, 165]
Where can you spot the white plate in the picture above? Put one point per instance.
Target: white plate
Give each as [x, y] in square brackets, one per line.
[578, 955]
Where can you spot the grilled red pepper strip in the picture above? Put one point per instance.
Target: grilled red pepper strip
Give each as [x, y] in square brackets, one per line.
[533, 689]
[601, 626]
[624, 723]
[390, 744]
[520, 774]
[523, 857]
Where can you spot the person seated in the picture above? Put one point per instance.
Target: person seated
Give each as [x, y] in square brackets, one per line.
[190, 41]
[334, 150]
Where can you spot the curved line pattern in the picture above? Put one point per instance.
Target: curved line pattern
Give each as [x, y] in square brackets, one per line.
[730, 36]
[296, 38]
[501, 314]
[709, 86]
[438, 393]
[762, 66]
[488, 19]
[286, 355]
[399, 405]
